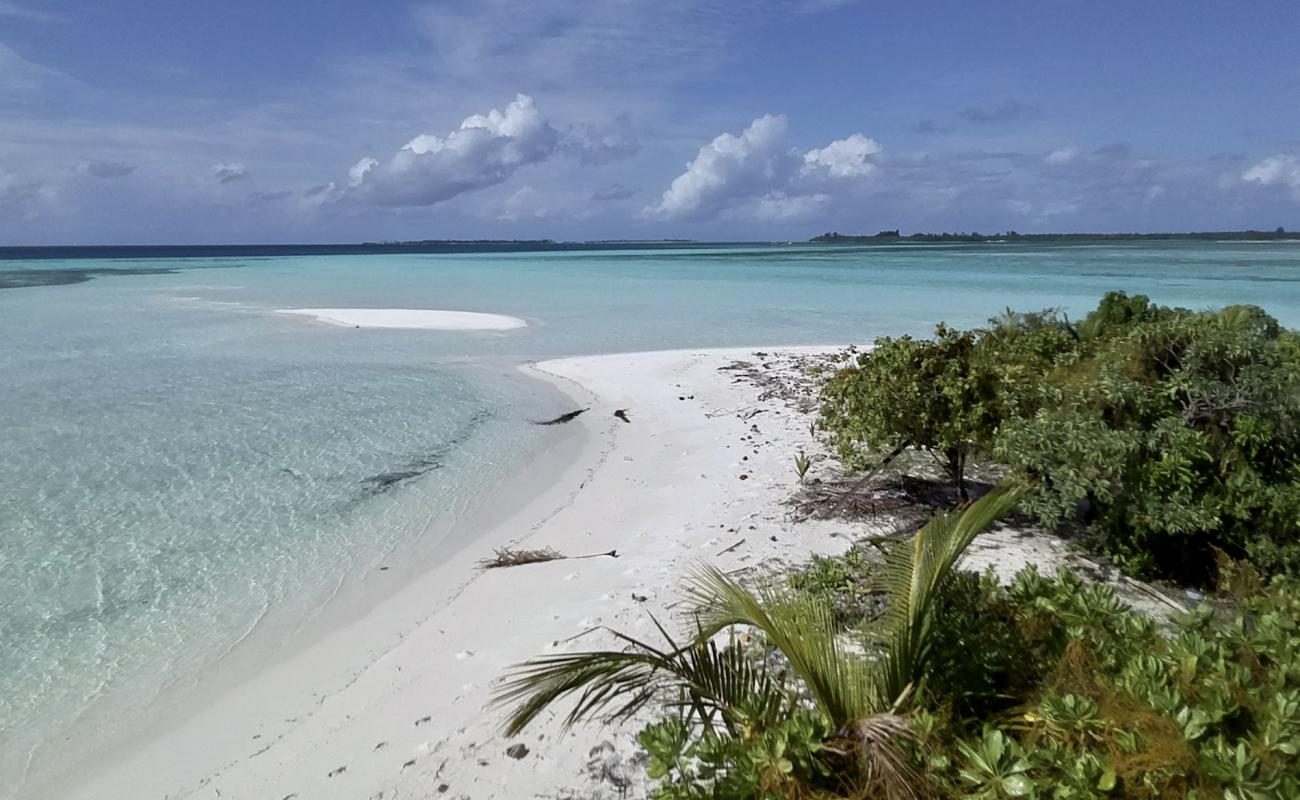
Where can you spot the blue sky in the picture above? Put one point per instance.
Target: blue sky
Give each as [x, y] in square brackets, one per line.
[291, 121]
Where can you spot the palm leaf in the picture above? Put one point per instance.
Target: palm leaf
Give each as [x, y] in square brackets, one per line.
[915, 574]
[802, 628]
[709, 684]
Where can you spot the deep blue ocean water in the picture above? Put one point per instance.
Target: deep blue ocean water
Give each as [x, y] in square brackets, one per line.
[180, 463]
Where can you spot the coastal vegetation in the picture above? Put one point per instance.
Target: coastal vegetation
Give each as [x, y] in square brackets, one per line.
[897, 236]
[1168, 434]
[1166, 437]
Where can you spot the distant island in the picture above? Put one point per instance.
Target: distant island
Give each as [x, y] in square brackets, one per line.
[896, 236]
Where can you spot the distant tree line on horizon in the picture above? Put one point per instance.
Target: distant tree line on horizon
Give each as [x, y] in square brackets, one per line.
[891, 236]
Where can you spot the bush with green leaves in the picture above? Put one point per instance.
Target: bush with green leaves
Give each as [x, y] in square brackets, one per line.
[929, 394]
[1169, 432]
[1172, 432]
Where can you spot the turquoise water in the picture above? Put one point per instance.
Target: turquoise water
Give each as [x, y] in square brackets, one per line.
[181, 464]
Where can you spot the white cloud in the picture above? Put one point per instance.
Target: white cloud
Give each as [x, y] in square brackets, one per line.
[1280, 170]
[727, 166]
[358, 172]
[758, 171]
[229, 173]
[844, 158]
[1063, 155]
[486, 150]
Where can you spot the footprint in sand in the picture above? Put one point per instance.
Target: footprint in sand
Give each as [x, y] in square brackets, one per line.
[572, 576]
[464, 654]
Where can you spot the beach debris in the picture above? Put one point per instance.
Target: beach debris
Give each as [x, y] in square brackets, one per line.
[380, 746]
[744, 477]
[606, 765]
[510, 557]
[423, 720]
[410, 763]
[569, 417]
[337, 771]
[639, 598]
[517, 751]
[733, 547]
[622, 414]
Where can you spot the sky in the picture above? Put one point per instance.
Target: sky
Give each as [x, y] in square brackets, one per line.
[246, 121]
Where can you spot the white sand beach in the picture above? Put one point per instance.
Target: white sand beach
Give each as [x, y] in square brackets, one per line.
[395, 703]
[410, 318]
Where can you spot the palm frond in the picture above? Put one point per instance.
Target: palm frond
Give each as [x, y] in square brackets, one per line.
[709, 683]
[915, 573]
[802, 628]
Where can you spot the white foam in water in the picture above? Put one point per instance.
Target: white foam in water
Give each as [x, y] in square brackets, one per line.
[411, 318]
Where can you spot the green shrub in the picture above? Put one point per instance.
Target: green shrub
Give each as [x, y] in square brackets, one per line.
[1168, 432]
[927, 394]
[1172, 432]
[1048, 688]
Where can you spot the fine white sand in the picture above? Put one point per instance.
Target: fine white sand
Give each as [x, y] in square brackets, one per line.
[395, 704]
[411, 318]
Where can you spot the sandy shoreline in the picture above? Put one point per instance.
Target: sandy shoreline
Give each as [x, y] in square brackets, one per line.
[393, 704]
[665, 491]
[410, 318]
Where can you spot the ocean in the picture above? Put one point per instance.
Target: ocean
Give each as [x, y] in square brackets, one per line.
[182, 466]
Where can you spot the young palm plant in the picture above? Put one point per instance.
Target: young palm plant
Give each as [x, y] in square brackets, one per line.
[722, 689]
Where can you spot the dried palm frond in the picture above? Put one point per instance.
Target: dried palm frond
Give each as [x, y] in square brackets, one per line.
[510, 557]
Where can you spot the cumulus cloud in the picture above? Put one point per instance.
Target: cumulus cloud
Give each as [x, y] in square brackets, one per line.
[757, 170]
[844, 158]
[1279, 170]
[726, 166]
[486, 150]
[106, 169]
[229, 173]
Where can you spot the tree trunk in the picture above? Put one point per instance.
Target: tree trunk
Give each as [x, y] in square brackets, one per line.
[957, 470]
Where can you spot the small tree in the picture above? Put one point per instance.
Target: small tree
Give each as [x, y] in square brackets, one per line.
[933, 395]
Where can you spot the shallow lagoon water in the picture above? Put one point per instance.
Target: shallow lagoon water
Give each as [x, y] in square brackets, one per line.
[182, 465]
